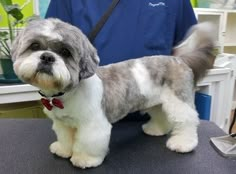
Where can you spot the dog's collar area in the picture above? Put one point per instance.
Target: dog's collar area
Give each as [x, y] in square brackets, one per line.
[55, 95]
[49, 101]
[49, 104]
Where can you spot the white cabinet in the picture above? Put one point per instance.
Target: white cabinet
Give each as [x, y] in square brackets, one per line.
[230, 34]
[215, 17]
[220, 81]
[225, 21]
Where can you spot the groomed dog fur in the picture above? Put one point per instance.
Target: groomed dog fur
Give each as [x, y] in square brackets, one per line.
[58, 59]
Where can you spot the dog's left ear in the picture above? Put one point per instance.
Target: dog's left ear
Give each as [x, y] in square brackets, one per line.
[88, 63]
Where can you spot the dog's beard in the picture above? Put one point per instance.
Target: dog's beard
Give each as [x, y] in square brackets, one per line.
[27, 70]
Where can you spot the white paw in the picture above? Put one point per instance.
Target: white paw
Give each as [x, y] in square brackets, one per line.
[56, 148]
[153, 129]
[83, 160]
[181, 143]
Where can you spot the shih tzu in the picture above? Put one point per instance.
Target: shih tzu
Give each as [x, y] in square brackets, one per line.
[83, 100]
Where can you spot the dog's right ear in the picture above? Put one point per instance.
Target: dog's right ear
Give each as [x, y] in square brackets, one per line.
[20, 39]
[16, 46]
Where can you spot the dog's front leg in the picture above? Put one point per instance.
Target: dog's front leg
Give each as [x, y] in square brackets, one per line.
[91, 144]
[63, 146]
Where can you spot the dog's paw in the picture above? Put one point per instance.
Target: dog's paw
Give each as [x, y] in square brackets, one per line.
[58, 149]
[182, 144]
[83, 160]
[154, 130]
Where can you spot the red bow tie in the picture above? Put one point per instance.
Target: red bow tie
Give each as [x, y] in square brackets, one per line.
[49, 105]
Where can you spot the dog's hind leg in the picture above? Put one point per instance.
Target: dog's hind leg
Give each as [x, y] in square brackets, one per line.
[180, 110]
[158, 124]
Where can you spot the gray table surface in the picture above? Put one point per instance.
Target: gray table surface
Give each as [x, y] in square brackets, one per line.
[24, 150]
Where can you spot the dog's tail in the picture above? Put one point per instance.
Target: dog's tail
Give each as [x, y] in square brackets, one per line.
[197, 50]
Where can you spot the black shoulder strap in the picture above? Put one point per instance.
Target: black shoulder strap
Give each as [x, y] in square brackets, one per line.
[92, 35]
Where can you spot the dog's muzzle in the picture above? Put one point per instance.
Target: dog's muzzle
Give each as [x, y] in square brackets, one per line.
[47, 58]
[46, 62]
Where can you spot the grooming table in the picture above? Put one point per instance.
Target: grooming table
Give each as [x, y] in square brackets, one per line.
[24, 149]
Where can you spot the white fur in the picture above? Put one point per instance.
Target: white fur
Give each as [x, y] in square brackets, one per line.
[27, 66]
[63, 75]
[145, 84]
[185, 121]
[182, 116]
[48, 31]
[82, 128]
[84, 114]
[159, 124]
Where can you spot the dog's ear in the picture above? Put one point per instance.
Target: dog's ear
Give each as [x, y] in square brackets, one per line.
[15, 49]
[88, 63]
[18, 44]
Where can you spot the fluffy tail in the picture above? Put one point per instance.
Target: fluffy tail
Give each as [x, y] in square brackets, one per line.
[197, 50]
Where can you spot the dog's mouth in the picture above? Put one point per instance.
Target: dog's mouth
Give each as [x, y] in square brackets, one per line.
[44, 79]
[47, 69]
[46, 73]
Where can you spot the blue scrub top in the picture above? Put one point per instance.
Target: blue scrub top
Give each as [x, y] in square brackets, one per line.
[135, 28]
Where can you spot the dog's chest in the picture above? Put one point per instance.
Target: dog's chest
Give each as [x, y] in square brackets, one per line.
[65, 115]
[81, 105]
[74, 107]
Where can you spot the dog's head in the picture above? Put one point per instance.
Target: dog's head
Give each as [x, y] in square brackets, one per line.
[53, 55]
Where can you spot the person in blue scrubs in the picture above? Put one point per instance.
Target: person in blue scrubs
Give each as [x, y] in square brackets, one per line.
[136, 28]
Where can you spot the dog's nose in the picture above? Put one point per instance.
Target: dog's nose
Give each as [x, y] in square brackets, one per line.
[47, 58]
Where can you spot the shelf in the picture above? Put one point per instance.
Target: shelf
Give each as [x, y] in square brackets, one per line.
[230, 44]
[18, 93]
[225, 22]
[230, 49]
[230, 34]
[220, 83]
[216, 19]
[6, 88]
[214, 10]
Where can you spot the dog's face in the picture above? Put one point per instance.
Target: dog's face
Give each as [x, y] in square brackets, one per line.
[53, 55]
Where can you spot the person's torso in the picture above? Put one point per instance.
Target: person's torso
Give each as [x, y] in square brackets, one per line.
[134, 29]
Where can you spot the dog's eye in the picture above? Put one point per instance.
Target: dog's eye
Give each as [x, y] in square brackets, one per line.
[35, 46]
[65, 52]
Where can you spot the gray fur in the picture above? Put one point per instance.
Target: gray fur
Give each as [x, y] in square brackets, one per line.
[84, 60]
[180, 73]
[197, 51]
[121, 91]
[172, 72]
[162, 86]
[86, 52]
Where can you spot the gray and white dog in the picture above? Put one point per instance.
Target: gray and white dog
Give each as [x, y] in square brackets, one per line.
[83, 99]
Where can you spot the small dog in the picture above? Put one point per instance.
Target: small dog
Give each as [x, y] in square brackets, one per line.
[83, 100]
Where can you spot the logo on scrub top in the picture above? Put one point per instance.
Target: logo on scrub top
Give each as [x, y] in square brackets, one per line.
[156, 4]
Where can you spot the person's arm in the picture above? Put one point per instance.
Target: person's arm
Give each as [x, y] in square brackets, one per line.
[60, 9]
[185, 19]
